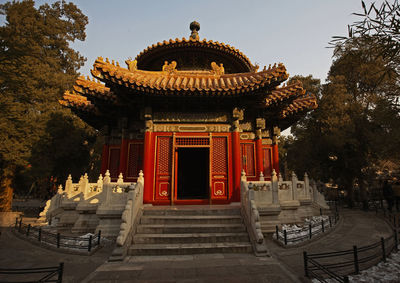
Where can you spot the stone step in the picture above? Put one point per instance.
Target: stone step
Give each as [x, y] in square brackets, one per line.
[189, 211]
[185, 228]
[187, 249]
[190, 238]
[190, 219]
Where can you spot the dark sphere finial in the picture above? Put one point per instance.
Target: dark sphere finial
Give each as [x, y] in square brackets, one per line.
[194, 27]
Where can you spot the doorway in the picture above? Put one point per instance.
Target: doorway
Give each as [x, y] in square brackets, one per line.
[193, 173]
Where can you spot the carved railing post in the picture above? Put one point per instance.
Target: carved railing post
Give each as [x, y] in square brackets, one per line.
[120, 178]
[294, 186]
[85, 186]
[243, 177]
[261, 176]
[314, 190]
[274, 183]
[68, 186]
[306, 185]
[141, 177]
[100, 183]
[107, 178]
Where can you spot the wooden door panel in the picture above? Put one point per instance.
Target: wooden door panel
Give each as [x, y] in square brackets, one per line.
[219, 168]
[267, 162]
[135, 160]
[163, 168]
[248, 160]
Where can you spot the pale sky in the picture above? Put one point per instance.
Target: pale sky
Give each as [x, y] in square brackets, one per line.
[294, 32]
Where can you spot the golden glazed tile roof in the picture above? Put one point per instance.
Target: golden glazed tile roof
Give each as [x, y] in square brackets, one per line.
[91, 88]
[195, 43]
[306, 103]
[279, 94]
[77, 101]
[171, 80]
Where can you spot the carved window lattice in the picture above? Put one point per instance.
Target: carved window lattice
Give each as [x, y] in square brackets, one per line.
[164, 155]
[135, 159]
[219, 158]
[192, 141]
[114, 162]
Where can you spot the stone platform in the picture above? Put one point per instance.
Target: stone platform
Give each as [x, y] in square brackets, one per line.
[284, 265]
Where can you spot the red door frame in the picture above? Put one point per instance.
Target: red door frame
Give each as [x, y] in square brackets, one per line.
[149, 191]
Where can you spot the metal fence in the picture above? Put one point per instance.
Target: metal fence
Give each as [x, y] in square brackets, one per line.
[307, 232]
[338, 265]
[41, 274]
[56, 239]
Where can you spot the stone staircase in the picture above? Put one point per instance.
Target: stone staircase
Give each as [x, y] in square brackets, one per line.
[183, 230]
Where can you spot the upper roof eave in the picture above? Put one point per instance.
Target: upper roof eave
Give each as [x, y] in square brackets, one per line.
[171, 79]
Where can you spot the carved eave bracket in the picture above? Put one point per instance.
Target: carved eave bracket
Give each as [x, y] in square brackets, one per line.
[237, 116]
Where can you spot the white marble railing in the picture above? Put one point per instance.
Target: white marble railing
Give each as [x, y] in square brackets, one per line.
[280, 192]
[132, 209]
[103, 193]
[251, 216]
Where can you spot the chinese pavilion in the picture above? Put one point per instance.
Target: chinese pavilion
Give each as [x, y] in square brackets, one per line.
[192, 114]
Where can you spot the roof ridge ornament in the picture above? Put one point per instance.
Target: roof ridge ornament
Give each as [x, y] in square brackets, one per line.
[194, 27]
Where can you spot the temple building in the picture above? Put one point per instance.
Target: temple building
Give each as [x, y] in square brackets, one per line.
[192, 114]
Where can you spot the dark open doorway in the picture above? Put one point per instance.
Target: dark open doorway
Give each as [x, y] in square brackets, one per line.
[193, 173]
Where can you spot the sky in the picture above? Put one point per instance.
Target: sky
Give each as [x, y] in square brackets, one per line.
[294, 32]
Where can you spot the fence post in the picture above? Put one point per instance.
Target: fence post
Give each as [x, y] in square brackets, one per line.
[277, 231]
[90, 243]
[383, 249]
[60, 272]
[323, 228]
[98, 238]
[330, 221]
[40, 234]
[356, 267]
[305, 264]
[58, 240]
[285, 235]
[28, 230]
[310, 230]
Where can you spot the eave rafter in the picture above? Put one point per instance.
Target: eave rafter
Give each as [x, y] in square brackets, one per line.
[78, 102]
[303, 104]
[289, 92]
[94, 89]
[173, 82]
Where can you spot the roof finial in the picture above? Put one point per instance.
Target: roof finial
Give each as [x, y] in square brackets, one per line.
[195, 27]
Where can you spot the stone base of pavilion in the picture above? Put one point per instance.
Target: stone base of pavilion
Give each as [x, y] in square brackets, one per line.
[115, 208]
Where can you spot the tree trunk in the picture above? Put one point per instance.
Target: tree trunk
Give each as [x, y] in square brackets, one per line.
[6, 193]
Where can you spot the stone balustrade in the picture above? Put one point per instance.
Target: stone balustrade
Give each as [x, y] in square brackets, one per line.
[87, 207]
[278, 201]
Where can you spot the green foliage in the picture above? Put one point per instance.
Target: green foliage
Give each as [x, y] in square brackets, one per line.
[357, 121]
[36, 66]
[381, 25]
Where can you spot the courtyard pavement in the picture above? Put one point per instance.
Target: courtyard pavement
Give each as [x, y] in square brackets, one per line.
[284, 264]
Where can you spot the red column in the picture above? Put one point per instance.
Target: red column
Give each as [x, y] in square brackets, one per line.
[104, 159]
[148, 167]
[123, 155]
[275, 156]
[259, 156]
[236, 165]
